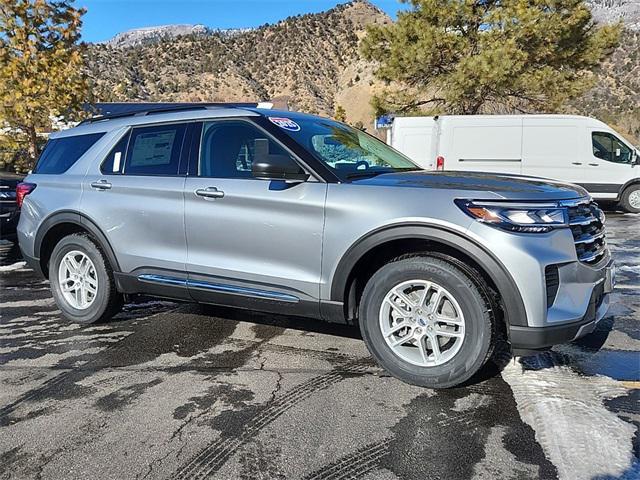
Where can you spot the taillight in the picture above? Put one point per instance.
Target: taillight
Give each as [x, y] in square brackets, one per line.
[440, 163]
[22, 190]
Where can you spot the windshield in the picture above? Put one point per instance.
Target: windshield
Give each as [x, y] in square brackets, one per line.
[349, 152]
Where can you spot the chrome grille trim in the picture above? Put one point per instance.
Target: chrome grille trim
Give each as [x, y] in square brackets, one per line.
[586, 224]
[590, 239]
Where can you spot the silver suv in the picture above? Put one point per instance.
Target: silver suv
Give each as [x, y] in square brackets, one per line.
[295, 214]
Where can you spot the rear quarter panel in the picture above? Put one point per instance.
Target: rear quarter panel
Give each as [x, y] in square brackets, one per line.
[55, 193]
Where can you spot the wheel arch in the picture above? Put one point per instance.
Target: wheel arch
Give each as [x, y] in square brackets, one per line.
[633, 181]
[414, 238]
[61, 224]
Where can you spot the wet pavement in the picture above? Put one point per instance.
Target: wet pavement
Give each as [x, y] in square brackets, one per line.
[172, 390]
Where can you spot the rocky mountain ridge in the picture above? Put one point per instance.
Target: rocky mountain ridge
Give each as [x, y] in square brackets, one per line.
[312, 63]
[609, 11]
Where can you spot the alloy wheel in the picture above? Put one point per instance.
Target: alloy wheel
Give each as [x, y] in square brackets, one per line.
[78, 280]
[422, 323]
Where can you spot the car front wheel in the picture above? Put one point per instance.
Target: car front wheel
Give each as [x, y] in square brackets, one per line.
[427, 322]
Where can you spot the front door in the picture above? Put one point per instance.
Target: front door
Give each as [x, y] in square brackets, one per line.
[251, 242]
[609, 165]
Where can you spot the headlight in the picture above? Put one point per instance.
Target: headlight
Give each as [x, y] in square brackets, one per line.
[517, 217]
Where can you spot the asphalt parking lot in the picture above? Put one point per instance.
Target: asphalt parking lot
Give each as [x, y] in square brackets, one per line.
[180, 391]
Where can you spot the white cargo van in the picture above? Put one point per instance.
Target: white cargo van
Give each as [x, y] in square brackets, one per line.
[570, 148]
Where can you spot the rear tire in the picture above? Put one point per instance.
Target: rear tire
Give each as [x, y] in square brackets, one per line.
[82, 281]
[630, 199]
[441, 306]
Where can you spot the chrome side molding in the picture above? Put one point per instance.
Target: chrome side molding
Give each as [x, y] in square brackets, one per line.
[218, 287]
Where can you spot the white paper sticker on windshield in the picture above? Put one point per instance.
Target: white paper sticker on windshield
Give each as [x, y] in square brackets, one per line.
[285, 123]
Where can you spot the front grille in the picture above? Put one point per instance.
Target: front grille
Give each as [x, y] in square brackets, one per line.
[586, 221]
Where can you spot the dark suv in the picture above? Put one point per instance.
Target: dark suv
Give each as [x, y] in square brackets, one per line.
[9, 211]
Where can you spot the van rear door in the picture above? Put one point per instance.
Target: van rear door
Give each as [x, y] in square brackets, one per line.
[553, 148]
[413, 136]
[482, 143]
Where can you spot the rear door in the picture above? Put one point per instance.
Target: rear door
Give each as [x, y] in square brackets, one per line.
[414, 137]
[255, 242]
[136, 196]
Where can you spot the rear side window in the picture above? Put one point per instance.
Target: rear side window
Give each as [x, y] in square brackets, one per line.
[114, 162]
[155, 150]
[61, 153]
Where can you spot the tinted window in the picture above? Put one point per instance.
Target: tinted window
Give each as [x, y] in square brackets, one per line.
[608, 147]
[154, 150]
[60, 153]
[114, 162]
[228, 149]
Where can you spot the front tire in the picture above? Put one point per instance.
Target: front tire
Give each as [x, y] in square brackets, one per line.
[427, 322]
[82, 281]
[630, 199]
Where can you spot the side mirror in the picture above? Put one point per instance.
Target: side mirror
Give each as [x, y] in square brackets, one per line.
[278, 167]
[634, 157]
[266, 166]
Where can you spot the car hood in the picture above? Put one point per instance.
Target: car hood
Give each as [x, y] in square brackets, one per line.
[493, 186]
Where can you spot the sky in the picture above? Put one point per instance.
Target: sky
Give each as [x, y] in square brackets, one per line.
[105, 18]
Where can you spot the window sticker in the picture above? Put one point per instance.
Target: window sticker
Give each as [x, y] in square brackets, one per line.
[285, 123]
[116, 161]
[151, 149]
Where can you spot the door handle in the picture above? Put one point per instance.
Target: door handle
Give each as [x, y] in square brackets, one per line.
[101, 185]
[576, 163]
[210, 192]
[594, 164]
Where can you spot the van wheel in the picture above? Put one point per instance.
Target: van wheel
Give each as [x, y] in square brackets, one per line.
[630, 199]
[426, 322]
[82, 281]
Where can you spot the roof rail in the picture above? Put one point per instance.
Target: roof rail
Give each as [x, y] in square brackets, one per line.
[121, 110]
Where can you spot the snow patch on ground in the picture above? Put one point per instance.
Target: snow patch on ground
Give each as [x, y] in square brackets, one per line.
[13, 267]
[577, 433]
[470, 402]
[629, 268]
[27, 303]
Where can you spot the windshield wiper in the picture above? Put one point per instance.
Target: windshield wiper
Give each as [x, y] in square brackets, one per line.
[374, 173]
[365, 173]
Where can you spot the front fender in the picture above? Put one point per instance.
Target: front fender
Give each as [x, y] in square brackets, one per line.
[515, 313]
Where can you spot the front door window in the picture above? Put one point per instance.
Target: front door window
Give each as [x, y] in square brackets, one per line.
[608, 147]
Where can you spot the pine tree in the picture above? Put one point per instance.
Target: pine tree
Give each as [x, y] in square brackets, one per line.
[41, 65]
[340, 114]
[474, 56]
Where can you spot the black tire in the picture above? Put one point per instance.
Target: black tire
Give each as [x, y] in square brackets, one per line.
[625, 201]
[480, 336]
[107, 303]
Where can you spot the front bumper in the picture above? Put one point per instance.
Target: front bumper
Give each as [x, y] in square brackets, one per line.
[535, 338]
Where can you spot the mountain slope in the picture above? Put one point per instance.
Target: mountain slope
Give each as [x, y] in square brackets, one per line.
[312, 62]
[307, 60]
[609, 11]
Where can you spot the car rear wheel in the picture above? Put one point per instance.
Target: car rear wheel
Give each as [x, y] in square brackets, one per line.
[427, 322]
[82, 281]
[630, 199]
